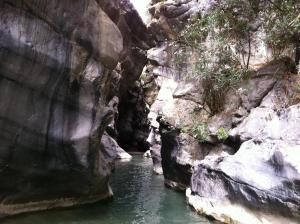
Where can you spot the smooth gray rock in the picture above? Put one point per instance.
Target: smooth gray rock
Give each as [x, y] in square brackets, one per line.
[168, 18]
[112, 150]
[154, 141]
[176, 163]
[56, 59]
[265, 123]
[259, 184]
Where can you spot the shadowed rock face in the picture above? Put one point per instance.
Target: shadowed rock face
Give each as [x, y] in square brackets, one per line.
[131, 125]
[55, 61]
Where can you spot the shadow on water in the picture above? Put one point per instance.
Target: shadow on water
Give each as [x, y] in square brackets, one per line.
[139, 197]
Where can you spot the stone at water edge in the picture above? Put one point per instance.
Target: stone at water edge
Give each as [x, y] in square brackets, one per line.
[147, 154]
[112, 149]
[231, 214]
[268, 165]
[261, 180]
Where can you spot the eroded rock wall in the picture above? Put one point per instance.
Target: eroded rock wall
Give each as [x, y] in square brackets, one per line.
[132, 126]
[237, 164]
[58, 84]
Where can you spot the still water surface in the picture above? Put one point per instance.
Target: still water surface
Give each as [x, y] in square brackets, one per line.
[139, 197]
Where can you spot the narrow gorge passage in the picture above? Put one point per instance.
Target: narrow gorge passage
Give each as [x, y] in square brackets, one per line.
[139, 197]
[209, 90]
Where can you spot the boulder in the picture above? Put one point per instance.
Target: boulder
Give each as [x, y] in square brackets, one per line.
[147, 154]
[265, 123]
[176, 163]
[259, 184]
[154, 141]
[112, 150]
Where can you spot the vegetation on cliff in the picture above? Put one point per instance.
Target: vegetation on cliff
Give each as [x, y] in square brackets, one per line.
[222, 40]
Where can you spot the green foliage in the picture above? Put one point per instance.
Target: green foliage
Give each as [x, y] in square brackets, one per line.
[180, 56]
[222, 134]
[143, 76]
[200, 132]
[281, 20]
[219, 69]
[195, 32]
[185, 130]
[224, 34]
[229, 19]
[217, 65]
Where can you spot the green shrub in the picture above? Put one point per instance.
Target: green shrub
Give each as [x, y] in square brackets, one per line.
[281, 21]
[218, 64]
[229, 26]
[185, 130]
[222, 134]
[200, 132]
[219, 70]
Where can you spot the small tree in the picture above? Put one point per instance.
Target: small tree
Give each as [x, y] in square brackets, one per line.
[229, 24]
[281, 20]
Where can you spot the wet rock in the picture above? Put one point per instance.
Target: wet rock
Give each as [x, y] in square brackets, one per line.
[176, 165]
[147, 154]
[154, 141]
[112, 149]
[133, 125]
[181, 151]
[156, 158]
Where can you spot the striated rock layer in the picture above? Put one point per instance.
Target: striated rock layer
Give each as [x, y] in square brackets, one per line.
[57, 88]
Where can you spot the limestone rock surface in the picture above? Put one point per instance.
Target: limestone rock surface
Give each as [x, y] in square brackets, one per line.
[58, 90]
[239, 165]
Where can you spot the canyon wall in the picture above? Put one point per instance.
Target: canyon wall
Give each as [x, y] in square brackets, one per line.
[62, 68]
[239, 165]
[70, 87]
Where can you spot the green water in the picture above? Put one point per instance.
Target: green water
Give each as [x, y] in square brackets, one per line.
[139, 197]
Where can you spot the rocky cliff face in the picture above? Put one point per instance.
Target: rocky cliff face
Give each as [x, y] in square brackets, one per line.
[69, 84]
[132, 125]
[238, 165]
[58, 82]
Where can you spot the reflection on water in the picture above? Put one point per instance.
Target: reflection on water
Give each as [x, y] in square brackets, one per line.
[139, 197]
